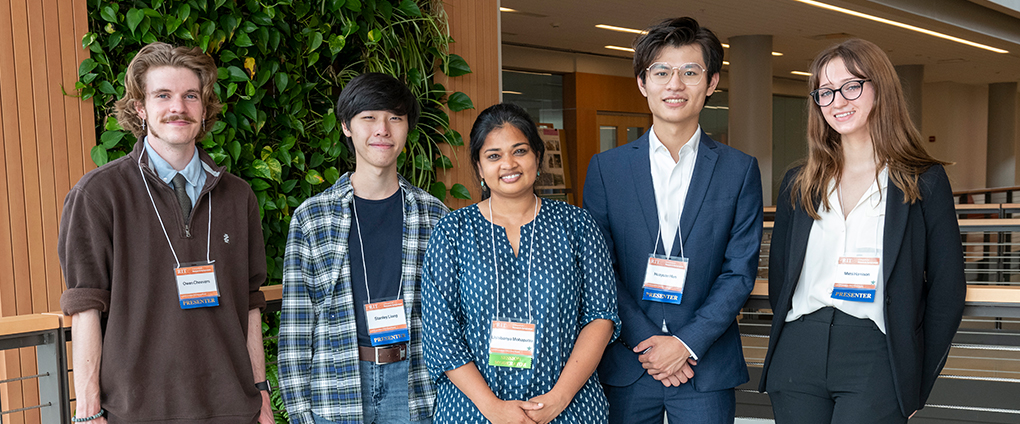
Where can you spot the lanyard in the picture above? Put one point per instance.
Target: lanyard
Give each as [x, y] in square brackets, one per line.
[364, 268]
[679, 235]
[531, 254]
[208, 234]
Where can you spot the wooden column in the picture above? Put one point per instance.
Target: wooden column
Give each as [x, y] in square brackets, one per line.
[474, 25]
[45, 139]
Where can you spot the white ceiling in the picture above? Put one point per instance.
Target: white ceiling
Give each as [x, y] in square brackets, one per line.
[799, 30]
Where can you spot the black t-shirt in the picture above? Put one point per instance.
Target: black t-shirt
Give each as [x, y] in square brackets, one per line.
[382, 224]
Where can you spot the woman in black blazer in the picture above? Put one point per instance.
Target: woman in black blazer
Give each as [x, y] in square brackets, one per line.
[866, 274]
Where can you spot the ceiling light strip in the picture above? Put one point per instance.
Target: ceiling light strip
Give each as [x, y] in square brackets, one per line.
[901, 25]
[622, 49]
[620, 29]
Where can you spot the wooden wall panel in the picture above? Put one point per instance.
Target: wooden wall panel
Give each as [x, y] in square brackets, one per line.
[581, 105]
[44, 150]
[473, 25]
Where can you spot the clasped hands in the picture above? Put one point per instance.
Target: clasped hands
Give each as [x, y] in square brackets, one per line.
[666, 359]
[537, 410]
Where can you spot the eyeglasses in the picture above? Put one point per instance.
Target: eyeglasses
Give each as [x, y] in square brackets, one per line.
[661, 73]
[850, 90]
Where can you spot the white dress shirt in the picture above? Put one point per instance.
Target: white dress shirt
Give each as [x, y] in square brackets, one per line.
[670, 181]
[832, 237]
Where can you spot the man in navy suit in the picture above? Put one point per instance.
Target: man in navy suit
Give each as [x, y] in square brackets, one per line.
[682, 215]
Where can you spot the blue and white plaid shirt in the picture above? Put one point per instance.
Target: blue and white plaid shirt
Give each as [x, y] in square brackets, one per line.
[318, 356]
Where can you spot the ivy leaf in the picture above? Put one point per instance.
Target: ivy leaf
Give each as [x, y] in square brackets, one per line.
[150, 38]
[242, 40]
[247, 108]
[410, 8]
[313, 177]
[453, 138]
[374, 35]
[332, 174]
[109, 14]
[282, 79]
[316, 41]
[236, 74]
[99, 155]
[460, 192]
[88, 39]
[86, 66]
[336, 43]
[438, 189]
[353, 5]
[275, 169]
[249, 65]
[258, 184]
[106, 88]
[422, 163]
[261, 169]
[172, 23]
[328, 122]
[109, 139]
[134, 17]
[112, 124]
[231, 89]
[456, 66]
[445, 162]
[234, 148]
[261, 18]
[288, 186]
[317, 160]
[459, 101]
[184, 12]
[184, 33]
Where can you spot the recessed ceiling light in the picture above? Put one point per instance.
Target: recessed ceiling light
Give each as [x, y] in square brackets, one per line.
[622, 49]
[801, 73]
[620, 29]
[726, 62]
[901, 25]
[777, 54]
[507, 9]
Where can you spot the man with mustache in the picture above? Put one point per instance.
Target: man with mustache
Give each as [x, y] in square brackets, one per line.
[163, 256]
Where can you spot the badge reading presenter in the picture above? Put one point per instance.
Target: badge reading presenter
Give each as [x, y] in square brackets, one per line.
[665, 278]
[856, 279]
[196, 286]
[512, 344]
[387, 322]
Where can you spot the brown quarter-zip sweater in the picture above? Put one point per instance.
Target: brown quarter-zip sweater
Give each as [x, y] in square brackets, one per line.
[161, 363]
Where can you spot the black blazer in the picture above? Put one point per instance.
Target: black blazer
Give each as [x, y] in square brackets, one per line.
[923, 267]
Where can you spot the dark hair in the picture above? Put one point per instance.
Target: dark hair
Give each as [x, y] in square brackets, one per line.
[495, 117]
[375, 91]
[677, 32]
[157, 55]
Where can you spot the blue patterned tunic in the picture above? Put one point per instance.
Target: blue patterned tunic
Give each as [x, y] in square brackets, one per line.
[572, 284]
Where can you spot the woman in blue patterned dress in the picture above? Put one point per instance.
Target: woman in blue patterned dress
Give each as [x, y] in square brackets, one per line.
[519, 298]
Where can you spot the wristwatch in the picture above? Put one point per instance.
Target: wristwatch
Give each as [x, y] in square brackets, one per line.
[264, 386]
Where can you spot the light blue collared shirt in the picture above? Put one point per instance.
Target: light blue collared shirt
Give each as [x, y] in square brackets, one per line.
[193, 172]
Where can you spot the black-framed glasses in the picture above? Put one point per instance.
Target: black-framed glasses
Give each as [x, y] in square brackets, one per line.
[661, 72]
[850, 90]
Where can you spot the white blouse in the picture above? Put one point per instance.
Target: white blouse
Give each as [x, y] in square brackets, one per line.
[832, 237]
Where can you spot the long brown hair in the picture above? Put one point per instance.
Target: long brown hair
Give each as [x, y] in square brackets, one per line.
[157, 55]
[894, 138]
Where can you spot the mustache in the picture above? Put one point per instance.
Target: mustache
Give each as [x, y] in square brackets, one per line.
[184, 118]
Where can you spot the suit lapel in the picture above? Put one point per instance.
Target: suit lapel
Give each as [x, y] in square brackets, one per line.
[895, 227]
[704, 166]
[641, 170]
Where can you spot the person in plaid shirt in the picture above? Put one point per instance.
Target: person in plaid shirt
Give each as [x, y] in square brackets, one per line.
[350, 328]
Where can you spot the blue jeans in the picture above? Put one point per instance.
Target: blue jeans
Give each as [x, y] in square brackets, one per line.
[383, 395]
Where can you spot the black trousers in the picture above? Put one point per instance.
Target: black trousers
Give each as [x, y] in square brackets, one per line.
[830, 367]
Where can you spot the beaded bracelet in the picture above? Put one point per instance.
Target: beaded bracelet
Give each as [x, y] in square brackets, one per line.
[86, 419]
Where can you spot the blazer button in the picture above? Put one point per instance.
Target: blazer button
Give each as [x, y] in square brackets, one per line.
[888, 301]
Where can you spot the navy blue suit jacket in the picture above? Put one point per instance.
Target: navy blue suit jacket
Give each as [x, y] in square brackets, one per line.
[922, 260]
[721, 228]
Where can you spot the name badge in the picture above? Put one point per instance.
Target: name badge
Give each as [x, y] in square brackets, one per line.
[196, 286]
[664, 279]
[387, 323]
[856, 279]
[512, 344]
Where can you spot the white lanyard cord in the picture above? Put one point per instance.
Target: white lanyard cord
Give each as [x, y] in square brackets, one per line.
[531, 253]
[679, 234]
[208, 234]
[403, 210]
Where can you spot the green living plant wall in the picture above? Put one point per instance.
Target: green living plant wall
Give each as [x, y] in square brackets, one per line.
[282, 64]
